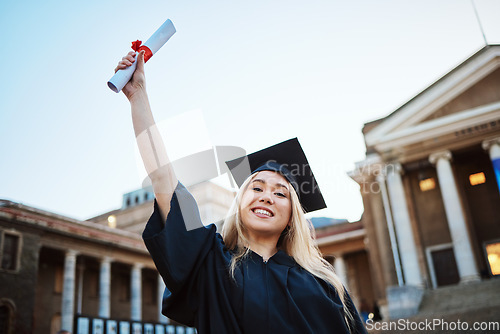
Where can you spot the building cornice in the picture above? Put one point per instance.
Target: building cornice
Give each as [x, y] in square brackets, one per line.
[438, 94]
[440, 126]
[342, 237]
[18, 213]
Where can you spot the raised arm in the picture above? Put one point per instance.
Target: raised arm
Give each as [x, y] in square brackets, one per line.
[149, 141]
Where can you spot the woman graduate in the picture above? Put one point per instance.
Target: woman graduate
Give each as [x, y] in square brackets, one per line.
[263, 273]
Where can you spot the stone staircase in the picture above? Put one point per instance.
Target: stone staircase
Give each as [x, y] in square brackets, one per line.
[467, 303]
[461, 298]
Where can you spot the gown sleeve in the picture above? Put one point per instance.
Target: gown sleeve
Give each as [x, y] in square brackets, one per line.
[179, 247]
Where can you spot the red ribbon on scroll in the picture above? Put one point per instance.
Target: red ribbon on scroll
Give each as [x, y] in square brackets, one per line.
[137, 47]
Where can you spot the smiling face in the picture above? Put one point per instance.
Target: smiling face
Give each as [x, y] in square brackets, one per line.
[265, 206]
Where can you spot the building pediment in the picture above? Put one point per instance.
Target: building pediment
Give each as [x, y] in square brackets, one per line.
[466, 99]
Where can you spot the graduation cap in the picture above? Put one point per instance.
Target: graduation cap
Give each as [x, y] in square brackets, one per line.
[288, 159]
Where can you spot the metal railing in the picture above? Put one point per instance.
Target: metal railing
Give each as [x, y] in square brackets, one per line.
[95, 325]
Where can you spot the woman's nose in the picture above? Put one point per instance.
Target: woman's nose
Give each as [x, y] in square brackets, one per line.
[266, 196]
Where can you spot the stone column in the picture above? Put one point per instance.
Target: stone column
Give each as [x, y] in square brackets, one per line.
[466, 263]
[79, 301]
[493, 148]
[390, 225]
[340, 270]
[161, 288]
[105, 288]
[135, 293]
[68, 294]
[404, 232]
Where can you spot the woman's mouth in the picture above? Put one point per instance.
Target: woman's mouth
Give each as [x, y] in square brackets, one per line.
[262, 212]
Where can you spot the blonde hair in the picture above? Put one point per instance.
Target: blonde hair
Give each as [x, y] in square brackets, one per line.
[296, 240]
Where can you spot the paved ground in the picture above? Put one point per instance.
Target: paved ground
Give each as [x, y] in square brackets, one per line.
[455, 309]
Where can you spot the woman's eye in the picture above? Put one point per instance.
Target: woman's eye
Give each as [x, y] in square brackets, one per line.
[256, 189]
[280, 194]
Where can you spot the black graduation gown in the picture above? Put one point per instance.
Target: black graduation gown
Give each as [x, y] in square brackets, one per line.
[277, 296]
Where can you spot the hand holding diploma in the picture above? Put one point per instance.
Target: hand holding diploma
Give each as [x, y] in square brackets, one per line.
[152, 45]
[138, 80]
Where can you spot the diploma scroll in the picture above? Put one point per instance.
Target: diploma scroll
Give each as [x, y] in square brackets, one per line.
[154, 43]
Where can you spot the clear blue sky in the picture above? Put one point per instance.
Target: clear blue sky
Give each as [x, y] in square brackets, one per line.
[261, 72]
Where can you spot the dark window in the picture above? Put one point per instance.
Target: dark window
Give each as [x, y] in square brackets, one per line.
[58, 279]
[125, 288]
[4, 319]
[149, 290]
[9, 251]
[93, 284]
[445, 267]
[7, 315]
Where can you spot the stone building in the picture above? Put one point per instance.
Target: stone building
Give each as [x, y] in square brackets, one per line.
[430, 186]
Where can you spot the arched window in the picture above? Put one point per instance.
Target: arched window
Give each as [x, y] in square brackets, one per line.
[4, 319]
[7, 314]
